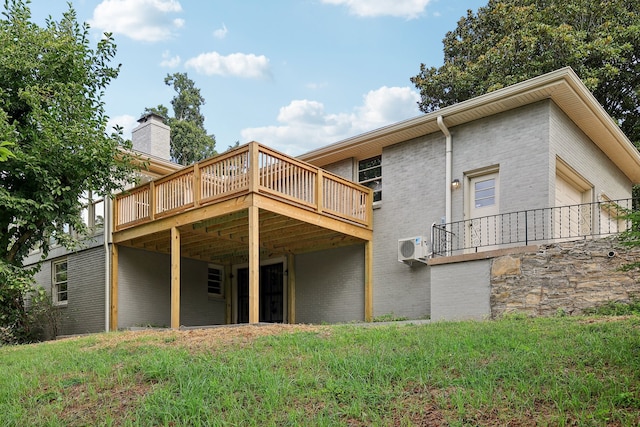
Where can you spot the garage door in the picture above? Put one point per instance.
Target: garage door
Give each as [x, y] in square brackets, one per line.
[571, 218]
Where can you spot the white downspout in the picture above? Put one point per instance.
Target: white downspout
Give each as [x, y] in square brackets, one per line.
[107, 262]
[448, 167]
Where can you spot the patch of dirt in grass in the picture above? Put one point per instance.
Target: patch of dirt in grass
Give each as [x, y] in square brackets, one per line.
[87, 401]
[117, 403]
[416, 407]
[501, 418]
[431, 406]
[199, 340]
[606, 319]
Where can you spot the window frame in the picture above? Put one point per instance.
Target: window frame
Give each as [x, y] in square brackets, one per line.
[90, 210]
[485, 196]
[56, 283]
[371, 181]
[220, 281]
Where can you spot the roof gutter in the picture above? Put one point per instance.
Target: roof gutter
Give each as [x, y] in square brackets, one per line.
[448, 167]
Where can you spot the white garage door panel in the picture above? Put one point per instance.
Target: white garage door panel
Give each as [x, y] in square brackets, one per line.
[570, 219]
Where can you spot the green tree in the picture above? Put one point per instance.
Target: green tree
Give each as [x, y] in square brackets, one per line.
[51, 83]
[5, 153]
[509, 41]
[189, 139]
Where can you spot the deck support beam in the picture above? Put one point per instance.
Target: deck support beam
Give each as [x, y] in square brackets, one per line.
[368, 281]
[291, 288]
[113, 296]
[228, 310]
[254, 264]
[175, 278]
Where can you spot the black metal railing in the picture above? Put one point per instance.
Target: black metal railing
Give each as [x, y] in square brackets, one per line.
[532, 226]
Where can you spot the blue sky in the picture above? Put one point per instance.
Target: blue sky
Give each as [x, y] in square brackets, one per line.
[292, 74]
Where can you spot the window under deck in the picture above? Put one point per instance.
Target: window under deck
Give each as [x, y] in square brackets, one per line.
[249, 203]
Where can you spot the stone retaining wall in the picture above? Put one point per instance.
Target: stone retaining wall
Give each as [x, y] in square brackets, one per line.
[563, 278]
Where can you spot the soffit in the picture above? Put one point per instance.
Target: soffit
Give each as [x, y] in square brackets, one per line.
[563, 87]
[158, 166]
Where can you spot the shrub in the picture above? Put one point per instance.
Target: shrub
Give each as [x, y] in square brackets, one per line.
[615, 308]
[15, 283]
[27, 314]
[43, 317]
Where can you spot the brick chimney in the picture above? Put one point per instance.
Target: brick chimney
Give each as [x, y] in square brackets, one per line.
[152, 136]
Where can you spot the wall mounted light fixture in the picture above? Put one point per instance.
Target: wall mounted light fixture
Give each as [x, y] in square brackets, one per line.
[455, 184]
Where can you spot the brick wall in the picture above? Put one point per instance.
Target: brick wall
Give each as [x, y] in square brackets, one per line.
[517, 141]
[330, 285]
[144, 296]
[571, 145]
[85, 312]
[461, 291]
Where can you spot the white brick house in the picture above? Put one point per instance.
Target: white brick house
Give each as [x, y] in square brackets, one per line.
[285, 253]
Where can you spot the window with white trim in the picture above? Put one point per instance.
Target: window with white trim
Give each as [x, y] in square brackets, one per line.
[215, 280]
[370, 175]
[485, 193]
[59, 282]
[92, 211]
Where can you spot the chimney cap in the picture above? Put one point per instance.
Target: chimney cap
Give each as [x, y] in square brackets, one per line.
[149, 115]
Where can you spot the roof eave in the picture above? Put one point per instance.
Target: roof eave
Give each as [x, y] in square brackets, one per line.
[563, 86]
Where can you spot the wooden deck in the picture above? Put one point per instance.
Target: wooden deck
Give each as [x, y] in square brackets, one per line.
[230, 175]
[248, 204]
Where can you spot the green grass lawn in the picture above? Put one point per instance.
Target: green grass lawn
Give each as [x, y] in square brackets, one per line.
[511, 372]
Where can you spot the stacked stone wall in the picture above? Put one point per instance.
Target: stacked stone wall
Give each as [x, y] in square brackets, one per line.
[566, 277]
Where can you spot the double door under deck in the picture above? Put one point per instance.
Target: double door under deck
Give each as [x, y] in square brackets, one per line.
[271, 289]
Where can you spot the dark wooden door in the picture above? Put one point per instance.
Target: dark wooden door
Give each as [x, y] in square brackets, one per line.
[271, 294]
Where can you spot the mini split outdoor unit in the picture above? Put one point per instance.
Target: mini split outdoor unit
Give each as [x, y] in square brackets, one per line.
[413, 249]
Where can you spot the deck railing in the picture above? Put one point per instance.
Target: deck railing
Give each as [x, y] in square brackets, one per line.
[547, 225]
[232, 174]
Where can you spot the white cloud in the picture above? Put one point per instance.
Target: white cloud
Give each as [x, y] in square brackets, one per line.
[169, 61]
[178, 22]
[409, 9]
[302, 111]
[221, 33]
[387, 105]
[142, 20]
[237, 64]
[127, 122]
[316, 86]
[305, 125]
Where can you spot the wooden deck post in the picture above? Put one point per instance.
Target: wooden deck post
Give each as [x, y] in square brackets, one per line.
[368, 281]
[113, 308]
[152, 200]
[175, 278]
[254, 265]
[197, 183]
[228, 309]
[254, 167]
[319, 191]
[291, 288]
